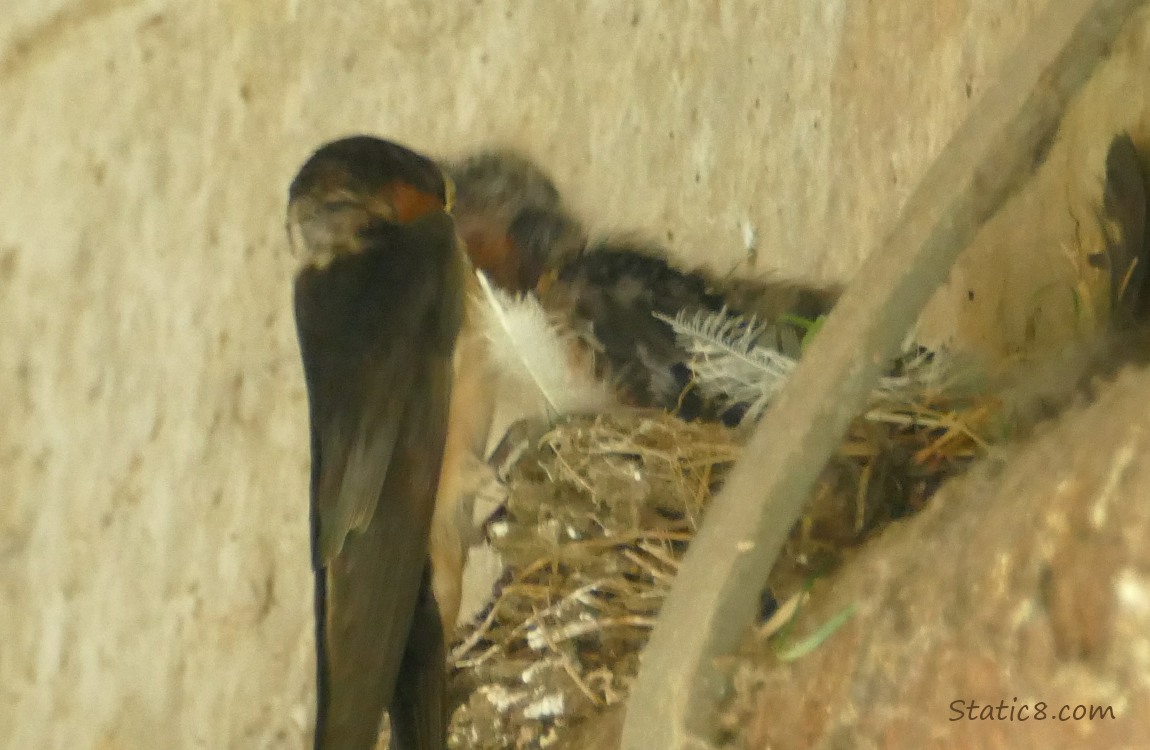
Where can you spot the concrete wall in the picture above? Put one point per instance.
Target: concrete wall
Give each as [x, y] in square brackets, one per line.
[154, 583]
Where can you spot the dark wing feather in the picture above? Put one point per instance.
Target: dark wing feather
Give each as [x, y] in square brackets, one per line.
[361, 398]
[374, 585]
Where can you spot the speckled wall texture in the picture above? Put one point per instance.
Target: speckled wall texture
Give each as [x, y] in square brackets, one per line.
[154, 583]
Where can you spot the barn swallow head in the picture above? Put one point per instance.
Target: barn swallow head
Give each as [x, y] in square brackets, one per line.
[512, 219]
[352, 184]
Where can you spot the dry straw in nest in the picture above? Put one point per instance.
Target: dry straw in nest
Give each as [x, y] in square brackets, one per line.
[598, 515]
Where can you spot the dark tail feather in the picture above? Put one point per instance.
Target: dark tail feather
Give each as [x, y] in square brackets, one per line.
[322, 691]
[419, 708]
[332, 733]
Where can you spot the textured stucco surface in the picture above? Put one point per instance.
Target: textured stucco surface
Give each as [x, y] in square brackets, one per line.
[154, 586]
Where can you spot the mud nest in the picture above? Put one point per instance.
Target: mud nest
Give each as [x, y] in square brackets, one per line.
[598, 514]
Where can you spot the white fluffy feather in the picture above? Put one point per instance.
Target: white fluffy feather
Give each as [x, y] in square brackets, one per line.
[729, 362]
[529, 349]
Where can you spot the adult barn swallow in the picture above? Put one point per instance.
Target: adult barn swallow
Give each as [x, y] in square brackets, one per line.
[378, 305]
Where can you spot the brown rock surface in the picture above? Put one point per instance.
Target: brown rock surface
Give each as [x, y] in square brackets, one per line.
[1026, 581]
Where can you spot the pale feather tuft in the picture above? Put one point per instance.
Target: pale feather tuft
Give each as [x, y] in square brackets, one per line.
[730, 363]
[528, 348]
